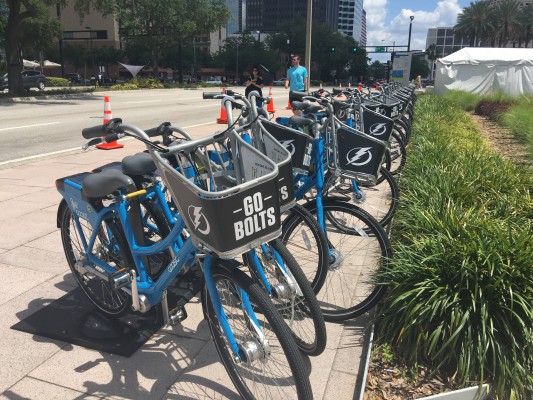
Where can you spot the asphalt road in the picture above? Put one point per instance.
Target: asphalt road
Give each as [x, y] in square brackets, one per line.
[41, 126]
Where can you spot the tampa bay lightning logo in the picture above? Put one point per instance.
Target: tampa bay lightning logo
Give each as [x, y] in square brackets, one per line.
[378, 129]
[341, 113]
[199, 221]
[289, 145]
[359, 156]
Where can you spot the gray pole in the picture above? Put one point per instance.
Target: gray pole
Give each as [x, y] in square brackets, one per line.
[308, 41]
[410, 27]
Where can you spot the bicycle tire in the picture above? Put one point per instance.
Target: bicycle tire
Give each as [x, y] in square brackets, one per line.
[380, 200]
[290, 382]
[299, 308]
[398, 153]
[112, 250]
[308, 244]
[359, 247]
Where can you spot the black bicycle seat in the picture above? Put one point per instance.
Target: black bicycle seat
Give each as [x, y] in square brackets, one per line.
[104, 183]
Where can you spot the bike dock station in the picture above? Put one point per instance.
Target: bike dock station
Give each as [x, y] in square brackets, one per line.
[137, 360]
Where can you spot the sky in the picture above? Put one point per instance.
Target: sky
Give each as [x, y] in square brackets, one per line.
[387, 21]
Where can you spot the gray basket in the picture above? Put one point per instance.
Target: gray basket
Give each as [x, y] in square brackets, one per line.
[228, 199]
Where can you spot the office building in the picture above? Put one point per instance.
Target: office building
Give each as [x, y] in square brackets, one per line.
[350, 18]
[268, 15]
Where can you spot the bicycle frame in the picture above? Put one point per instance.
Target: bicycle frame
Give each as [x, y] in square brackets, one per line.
[185, 254]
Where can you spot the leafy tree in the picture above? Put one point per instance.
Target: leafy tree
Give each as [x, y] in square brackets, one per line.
[26, 20]
[419, 66]
[378, 70]
[343, 60]
[76, 54]
[158, 25]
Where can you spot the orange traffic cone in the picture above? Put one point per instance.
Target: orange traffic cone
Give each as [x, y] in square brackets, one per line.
[289, 107]
[349, 85]
[270, 107]
[223, 119]
[107, 117]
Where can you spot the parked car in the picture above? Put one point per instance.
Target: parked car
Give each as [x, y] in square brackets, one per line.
[214, 81]
[104, 81]
[279, 82]
[74, 78]
[30, 79]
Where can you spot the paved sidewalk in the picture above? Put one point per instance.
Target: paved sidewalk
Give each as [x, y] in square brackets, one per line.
[176, 363]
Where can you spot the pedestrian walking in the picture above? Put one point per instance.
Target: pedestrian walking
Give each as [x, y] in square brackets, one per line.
[297, 79]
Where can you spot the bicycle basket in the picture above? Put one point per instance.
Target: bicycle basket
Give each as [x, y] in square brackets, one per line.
[341, 109]
[376, 125]
[230, 218]
[390, 110]
[359, 156]
[297, 143]
[268, 145]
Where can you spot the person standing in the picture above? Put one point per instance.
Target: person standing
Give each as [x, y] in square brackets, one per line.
[296, 78]
[255, 83]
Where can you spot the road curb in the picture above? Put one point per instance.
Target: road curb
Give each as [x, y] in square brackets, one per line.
[10, 100]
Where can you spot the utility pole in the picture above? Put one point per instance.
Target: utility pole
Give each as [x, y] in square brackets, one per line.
[308, 41]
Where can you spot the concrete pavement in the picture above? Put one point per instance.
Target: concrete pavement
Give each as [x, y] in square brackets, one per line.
[175, 363]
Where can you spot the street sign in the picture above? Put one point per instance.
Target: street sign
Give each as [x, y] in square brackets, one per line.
[380, 49]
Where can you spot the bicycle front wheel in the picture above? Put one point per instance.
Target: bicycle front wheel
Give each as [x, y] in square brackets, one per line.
[380, 200]
[271, 370]
[358, 248]
[292, 295]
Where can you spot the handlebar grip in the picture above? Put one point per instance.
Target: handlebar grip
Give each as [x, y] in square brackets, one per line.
[298, 105]
[93, 132]
[111, 137]
[211, 95]
[152, 132]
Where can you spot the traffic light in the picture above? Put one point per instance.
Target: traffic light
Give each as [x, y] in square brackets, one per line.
[355, 49]
[332, 49]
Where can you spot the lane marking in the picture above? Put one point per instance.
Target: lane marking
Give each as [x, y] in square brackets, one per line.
[142, 101]
[29, 126]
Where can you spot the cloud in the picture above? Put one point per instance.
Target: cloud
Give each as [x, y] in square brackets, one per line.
[397, 29]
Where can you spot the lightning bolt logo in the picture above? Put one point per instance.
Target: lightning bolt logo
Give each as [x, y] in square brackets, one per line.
[198, 218]
[378, 129]
[289, 145]
[354, 155]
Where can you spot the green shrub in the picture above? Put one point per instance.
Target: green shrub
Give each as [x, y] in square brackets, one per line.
[147, 83]
[467, 101]
[461, 288]
[56, 82]
[519, 119]
[124, 86]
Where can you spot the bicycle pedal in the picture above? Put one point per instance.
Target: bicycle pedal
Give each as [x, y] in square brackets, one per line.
[120, 278]
[177, 315]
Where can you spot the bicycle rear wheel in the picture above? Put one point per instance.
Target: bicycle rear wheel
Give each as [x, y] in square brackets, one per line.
[292, 295]
[110, 247]
[358, 247]
[278, 373]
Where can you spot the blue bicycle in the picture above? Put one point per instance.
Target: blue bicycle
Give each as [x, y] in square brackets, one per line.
[106, 245]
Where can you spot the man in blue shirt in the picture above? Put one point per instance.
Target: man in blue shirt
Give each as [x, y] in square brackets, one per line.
[297, 78]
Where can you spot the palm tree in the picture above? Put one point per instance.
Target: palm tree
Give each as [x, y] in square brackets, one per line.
[525, 22]
[506, 13]
[475, 22]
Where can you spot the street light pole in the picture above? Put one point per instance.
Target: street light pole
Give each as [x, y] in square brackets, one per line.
[91, 39]
[410, 28]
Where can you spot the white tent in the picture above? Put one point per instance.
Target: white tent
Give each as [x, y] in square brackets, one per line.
[484, 70]
[30, 64]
